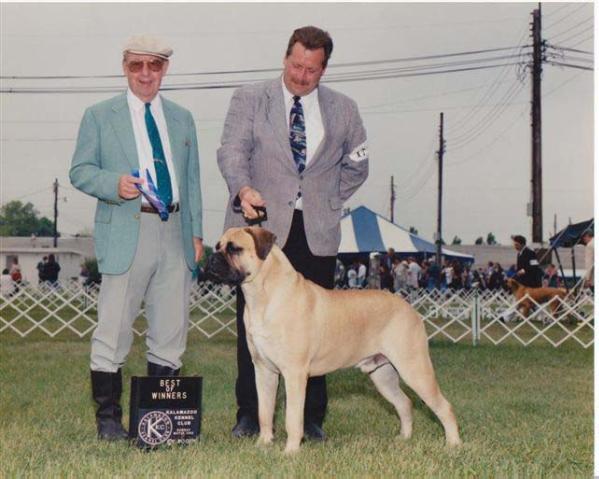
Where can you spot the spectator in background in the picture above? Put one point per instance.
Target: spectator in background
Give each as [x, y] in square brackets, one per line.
[51, 270]
[385, 275]
[339, 273]
[361, 276]
[457, 275]
[414, 271]
[352, 276]
[496, 279]
[434, 275]
[15, 274]
[387, 260]
[490, 268]
[551, 278]
[41, 278]
[482, 278]
[589, 259]
[447, 275]
[83, 275]
[476, 280]
[7, 286]
[467, 277]
[400, 274]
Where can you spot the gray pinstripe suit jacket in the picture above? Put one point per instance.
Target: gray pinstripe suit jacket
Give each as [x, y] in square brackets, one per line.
[255, 151]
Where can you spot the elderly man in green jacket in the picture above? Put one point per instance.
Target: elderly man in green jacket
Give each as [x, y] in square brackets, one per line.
[146, 244]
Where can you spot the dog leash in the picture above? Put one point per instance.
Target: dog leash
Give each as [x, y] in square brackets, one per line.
[262, 216]
[261, 210]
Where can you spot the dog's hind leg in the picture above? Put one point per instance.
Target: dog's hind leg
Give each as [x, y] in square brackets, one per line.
[385, 378]
[416, 370]
[266, 386]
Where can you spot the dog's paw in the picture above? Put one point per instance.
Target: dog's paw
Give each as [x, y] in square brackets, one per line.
[291, 449]
[454, 442]
[264, 441]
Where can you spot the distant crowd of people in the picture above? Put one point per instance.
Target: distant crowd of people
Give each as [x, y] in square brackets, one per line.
[396, 273]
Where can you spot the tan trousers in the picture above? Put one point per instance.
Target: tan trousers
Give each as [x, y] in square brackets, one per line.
[160, 277]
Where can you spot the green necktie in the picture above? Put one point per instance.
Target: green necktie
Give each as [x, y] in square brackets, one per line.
[163, 178]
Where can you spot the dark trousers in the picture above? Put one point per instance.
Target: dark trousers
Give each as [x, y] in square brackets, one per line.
[320, 270]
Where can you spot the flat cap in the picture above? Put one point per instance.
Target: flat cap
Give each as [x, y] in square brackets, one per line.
[148, 45]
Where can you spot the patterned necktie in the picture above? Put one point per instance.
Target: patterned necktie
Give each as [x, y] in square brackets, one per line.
[297, 134]
[163, 178]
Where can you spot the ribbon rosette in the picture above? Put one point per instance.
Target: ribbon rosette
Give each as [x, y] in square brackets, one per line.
[150, 192]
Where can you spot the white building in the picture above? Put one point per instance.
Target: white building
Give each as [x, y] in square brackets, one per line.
[28, 252]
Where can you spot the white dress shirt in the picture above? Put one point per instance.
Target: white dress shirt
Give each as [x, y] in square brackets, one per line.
[313, 122]
[137, 111]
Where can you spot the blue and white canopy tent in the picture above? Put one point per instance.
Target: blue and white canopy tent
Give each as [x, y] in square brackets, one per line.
[569, 237]
[364, 232]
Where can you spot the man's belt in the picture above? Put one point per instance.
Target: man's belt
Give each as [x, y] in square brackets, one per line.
[150, 209]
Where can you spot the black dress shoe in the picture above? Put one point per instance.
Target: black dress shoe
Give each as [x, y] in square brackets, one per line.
[246, 427]
[314, 432]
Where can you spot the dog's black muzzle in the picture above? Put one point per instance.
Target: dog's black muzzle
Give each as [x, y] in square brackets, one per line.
[220, 271]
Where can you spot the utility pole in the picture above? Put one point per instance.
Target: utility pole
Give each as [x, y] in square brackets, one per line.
[537, 170]
[392, 199]
[438, 236]
[55, 211]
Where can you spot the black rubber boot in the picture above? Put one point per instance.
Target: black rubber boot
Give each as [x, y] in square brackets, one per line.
[158, 370]
[106, 391]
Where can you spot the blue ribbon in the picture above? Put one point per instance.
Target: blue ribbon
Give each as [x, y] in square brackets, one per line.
[151, 194]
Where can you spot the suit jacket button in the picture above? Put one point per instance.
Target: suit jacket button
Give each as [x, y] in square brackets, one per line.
[301, 177]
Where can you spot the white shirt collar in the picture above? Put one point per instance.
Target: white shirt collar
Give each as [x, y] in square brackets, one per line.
[136, 104]
[308, 101]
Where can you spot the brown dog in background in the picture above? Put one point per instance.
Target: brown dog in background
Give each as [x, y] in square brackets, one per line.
[538, 295]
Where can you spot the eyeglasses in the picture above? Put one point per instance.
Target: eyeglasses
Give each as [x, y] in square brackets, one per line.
[137, 66]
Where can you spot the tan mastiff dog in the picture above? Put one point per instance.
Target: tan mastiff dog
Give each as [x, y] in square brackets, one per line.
[298, 329]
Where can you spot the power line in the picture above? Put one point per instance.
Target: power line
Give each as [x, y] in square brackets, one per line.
[215, 86]
[488, 119]
[499, 79]
[33, 193]
[590, 37]
[492, 142]
[559, 47]
[570, 65]
[550, 14]
[266, 70]
[590, 19]
[591, 27]
[555, 22]
[418, 98]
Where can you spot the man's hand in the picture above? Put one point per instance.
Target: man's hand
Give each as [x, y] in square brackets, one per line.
[520, 272]
[249, 198]
[127, 188]
[198, 246]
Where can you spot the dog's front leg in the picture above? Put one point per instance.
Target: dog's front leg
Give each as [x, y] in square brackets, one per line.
[295, 389]
[266, 385]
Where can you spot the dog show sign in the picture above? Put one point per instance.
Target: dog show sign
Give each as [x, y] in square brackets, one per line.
[165, 410]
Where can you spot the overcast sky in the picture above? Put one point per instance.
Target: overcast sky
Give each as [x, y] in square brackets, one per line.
[487, 111]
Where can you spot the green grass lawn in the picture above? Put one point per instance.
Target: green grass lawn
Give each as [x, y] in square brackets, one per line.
[523, 412]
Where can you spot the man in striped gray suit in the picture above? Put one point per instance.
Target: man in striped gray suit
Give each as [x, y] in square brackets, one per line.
[299, 149]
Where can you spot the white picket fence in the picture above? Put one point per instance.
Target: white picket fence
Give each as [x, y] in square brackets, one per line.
[464, 316]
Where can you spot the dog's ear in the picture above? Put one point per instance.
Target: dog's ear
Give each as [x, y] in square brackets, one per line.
[263, 240]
